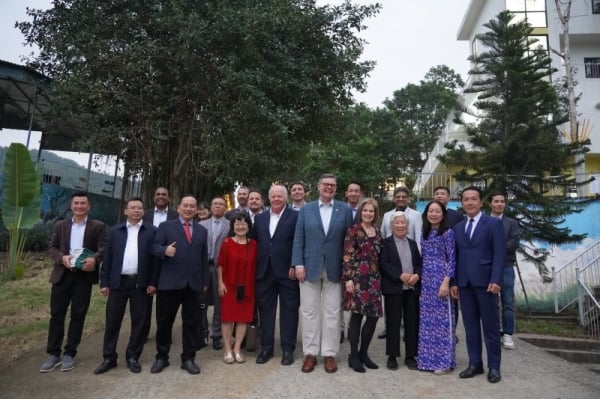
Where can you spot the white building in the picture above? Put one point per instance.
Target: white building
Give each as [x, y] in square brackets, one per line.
[584, 29]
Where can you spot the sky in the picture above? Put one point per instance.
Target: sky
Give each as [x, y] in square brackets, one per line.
[405, 39]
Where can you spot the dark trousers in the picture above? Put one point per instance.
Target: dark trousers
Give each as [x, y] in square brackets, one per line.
[148, 320]
[268, 290]
[115, 310]
[398, 308]
[74, 289]
[167, 306]
[213, 291]
[480, 311]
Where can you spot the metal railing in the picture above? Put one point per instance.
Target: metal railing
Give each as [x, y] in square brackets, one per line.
[589, 308]
[564, 280]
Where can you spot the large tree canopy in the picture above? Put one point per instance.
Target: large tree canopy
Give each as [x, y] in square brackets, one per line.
[198, 94]
[515, 145]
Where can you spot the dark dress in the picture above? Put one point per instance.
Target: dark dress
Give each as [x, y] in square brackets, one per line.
[436, 315]
[239, 267]
[361, 265]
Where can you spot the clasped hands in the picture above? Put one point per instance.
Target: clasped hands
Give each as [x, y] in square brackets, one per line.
[409, 279]
[88, 265]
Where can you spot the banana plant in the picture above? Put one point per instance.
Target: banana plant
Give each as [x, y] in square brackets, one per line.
[21, 194]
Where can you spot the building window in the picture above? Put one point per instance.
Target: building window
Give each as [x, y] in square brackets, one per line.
[592, 67]
[533, 11]
[596, 6]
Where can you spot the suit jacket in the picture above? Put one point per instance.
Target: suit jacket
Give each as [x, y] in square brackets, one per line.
[454, 217]
[512, 234]
[208, 225]
[149, 215]
[94, 239]
[112, 267]
[391, 266]
[190, 263]
[312, 248]
[415, 224]
[480, 261]
[277, 249]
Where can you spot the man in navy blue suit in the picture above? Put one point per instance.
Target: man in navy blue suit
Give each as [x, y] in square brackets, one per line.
[275, 277]
[125, 276]
[480, 262]
[181, 279]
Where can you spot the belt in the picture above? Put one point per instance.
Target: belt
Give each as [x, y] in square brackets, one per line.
[129, 276]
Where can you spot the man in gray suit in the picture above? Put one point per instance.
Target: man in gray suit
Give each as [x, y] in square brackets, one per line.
[317, 260]
[218, 228]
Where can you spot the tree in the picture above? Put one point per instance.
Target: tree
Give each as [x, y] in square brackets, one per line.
[194, 94]
[515, 146]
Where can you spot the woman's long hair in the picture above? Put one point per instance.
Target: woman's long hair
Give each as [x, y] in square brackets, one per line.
[443, 224]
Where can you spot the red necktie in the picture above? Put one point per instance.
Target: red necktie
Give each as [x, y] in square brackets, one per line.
[188, 233]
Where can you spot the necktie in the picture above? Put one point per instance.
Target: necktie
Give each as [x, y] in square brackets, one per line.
[469, 229]
[188, 233]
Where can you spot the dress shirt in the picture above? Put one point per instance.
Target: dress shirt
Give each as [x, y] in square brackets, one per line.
[405, 254]
[130, 256]
[325, 210]
[183, 222]
[273, 220]
[159, 216]
[77, 233]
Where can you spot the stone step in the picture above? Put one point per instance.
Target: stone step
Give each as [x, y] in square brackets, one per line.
[556, 343]
[575, 356]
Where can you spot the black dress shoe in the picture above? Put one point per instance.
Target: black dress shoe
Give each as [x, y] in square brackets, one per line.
[392, 364]
[287, 358]
[159, 365]
[471, 372]
[355, 364]
[133, 365]
[190, 367]
[494, 376]
[411, 363]
[264, 357]
[105, 366]
[217, 343]
[381, 335]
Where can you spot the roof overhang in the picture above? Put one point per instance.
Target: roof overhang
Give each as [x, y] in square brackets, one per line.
[470, 19]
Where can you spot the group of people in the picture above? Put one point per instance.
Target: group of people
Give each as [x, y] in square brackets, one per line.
[317, 260]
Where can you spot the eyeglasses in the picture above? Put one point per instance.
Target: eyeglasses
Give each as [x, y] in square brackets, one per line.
[330, 185]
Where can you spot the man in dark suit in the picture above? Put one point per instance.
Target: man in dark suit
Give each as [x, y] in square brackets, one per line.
[181, 279]
[275, 277]
[155, 216]
[442, 194]
[512, 235]
[317, 258]
[72, 278]
[480, 263]
[217, 227]
[125, 276]
[401, 265]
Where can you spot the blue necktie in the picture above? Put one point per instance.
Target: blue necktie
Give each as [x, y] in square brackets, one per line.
[469, 229]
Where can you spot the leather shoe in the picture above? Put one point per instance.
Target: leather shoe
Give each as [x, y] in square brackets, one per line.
[287, 358]
[133, 365]
[392, 364]
[159, 365]
[264, 357]
[217, 343]
[411, 363]
[105, 366]
[190, 367]
[330, 365]
[309, 363]
[494, 376]
[470, 372]
[381, 335]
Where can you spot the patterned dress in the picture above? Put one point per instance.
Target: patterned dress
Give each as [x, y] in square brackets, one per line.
[361, 265]
[436, 346]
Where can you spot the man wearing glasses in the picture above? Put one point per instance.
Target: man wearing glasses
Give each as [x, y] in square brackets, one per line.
[317, 261]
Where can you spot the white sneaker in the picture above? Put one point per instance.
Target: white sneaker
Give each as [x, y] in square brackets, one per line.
[507, 342]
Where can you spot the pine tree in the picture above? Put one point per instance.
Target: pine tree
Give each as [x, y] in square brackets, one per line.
[515, 146]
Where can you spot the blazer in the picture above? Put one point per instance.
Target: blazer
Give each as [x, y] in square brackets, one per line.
[480, 261]
[454, 217]
[276, 249]
[189, 266]
[415, 224]
[111, 270]
[94, 239]
[149, 215]
[512, 234]
[208, 225]
[312, 248]
[391, 266]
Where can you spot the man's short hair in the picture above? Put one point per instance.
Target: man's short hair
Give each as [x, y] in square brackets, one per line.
[80, 194]
[442, 188]
[472, 188]
[495, 193]
[131, 199]
[401, 189]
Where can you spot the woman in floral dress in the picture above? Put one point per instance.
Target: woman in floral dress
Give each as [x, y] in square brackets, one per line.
[436, 346]
[362, 283]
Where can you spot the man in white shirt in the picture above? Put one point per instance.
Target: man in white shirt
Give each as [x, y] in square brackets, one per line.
[415, 219]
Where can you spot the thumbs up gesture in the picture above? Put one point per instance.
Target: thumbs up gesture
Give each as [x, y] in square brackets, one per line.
[170, 251]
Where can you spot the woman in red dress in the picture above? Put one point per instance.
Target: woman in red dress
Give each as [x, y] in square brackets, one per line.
[236, 270]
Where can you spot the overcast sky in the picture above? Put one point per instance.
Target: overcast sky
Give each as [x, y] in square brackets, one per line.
[405, 39]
